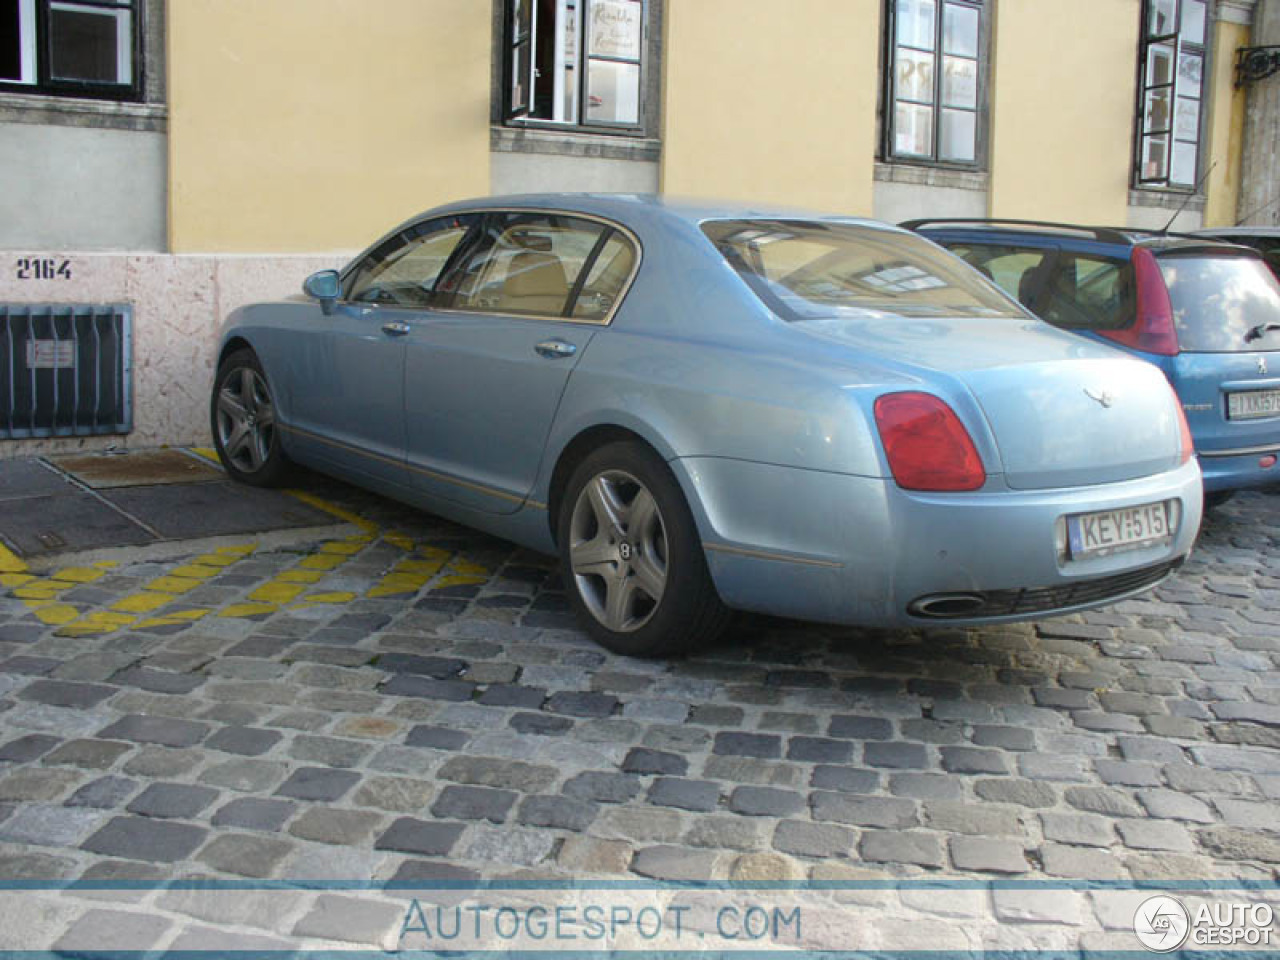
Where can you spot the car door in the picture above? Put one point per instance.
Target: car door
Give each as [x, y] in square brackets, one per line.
[349, 392]
[485, 371]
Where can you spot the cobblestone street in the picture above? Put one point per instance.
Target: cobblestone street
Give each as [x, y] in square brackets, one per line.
[413, 702]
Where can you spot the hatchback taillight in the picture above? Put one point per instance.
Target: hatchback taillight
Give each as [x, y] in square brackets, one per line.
[1153, 330]
[926, 445]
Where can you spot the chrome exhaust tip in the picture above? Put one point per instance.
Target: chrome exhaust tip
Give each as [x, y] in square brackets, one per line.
[944, 606]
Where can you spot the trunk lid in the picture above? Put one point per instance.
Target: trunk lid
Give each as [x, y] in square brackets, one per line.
[1063, 411]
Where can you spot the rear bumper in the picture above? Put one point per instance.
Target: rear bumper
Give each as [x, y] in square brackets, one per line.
[1239, 469]
[859, 550]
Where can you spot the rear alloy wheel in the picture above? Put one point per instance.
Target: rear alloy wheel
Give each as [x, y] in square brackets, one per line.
[632, 558]
[244, 422]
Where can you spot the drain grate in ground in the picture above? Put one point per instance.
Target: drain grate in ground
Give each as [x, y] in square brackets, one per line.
[214, 509]
[104, 471]
[67, 523]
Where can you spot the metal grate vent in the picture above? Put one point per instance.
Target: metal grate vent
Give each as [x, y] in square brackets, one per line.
[66, 370]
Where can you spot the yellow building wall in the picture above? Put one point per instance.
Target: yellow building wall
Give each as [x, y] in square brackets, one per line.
[771, 101]
[1226, 126]
[1063, 107]
[316, 125]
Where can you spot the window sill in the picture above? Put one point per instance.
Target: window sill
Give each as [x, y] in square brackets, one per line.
[573, 143]
[1160, 199]
[928, 176]
[72, 112]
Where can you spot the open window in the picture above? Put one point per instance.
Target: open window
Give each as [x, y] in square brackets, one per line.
[77, 48]
[1171, 91]
[576, 62]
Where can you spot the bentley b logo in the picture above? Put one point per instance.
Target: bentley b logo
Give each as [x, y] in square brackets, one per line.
[1103, 398]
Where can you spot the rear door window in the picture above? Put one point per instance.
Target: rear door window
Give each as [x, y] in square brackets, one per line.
[1086, 292]
[1018, 271]
[1222, 303]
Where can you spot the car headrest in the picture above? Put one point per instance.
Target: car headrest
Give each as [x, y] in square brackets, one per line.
[533, 273]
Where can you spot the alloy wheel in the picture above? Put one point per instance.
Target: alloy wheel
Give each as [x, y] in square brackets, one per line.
[246, 419]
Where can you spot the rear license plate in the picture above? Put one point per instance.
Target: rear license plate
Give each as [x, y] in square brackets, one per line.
[1108, 531]
[1252, 404]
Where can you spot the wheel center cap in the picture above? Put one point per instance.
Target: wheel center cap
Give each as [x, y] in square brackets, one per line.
[625, 550]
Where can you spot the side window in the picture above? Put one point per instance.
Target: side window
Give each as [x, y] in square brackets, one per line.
[403, 271]
[86, 48]
[1088, 293]
[576, 62]
[1017, 270]
[608, 276]
[530, 263]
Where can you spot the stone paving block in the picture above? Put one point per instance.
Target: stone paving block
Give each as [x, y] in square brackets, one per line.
[1173, 805]
[860, 727]
[108, 932]
[1236, 844]
[805, 839]
[973, 760]
[766, 802]
[988, 856]
[474, 803]
[158, 681]
[318, 784]
[760, 745]
[141, 838]
[892, 846]
[28, 748]
[558, 812]
[864, 811]
[589, 856]
[103, 793]
[923, 786]
[675, 864]
[162, 762]
[246, 855]
[244, 775]
[699, 795]
[254, 813]
[328, 751]
[895, 755]
[247, 741]
[37, 785]
[341, 827]
[1028, 793]
[819, 750]
[349, 919]
[641, 760]
[62, 693]
[48, 826]
[89, 754]
[843, 779]
[166, 731]
[175, 800]
[425, 838]
[505, 774]
[974, 819]
[507, 845]
[400, 794]
[1080, 829]
[1082, 863]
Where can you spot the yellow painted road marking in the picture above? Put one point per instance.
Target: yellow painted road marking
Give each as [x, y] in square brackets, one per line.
[56, 613]
[172, 584]
[143, 602]
[10, 562]
[277, 593]
[332, 508]
[248, 609]
[78, 574]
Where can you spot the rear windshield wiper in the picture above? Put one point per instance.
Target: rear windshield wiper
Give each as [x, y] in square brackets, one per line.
[1258, 332]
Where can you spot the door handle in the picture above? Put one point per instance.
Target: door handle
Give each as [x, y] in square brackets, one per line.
[395, 328]
[556, 348]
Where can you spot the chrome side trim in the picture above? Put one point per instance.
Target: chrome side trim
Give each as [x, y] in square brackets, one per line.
[434, 474]
[1242, 452]
[766, 555]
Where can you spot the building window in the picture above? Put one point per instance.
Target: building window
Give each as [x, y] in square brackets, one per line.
[77, 48]
[1172, 58]
[576, 62]
[934, 94]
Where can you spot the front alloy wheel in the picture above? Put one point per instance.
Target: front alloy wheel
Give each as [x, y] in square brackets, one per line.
[244, 422]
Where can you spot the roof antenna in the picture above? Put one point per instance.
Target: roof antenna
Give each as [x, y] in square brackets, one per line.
[1254, 213]
[1182, 206]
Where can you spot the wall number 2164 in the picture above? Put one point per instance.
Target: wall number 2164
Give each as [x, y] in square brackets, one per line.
[42, 268]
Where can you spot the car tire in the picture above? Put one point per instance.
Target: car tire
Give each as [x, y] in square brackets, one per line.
[242, 415]
[631, 556]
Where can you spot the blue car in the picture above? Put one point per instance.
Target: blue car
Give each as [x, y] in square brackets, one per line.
[1205, 312]
[707, 408]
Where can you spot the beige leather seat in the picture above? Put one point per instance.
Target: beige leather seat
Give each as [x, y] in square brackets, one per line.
[535, 283]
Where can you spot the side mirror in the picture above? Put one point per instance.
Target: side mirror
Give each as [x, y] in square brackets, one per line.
[323, 286]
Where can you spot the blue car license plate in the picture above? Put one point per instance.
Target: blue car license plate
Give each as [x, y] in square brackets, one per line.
[1109, 531]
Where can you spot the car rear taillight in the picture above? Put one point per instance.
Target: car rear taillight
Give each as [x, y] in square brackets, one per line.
[1153, 330]
[927, 446]
[1184, 430]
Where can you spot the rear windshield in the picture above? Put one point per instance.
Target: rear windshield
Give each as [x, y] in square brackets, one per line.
[1223, 304]
[806, 268]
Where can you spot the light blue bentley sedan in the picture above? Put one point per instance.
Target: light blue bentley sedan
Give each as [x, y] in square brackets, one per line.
[705, 408]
